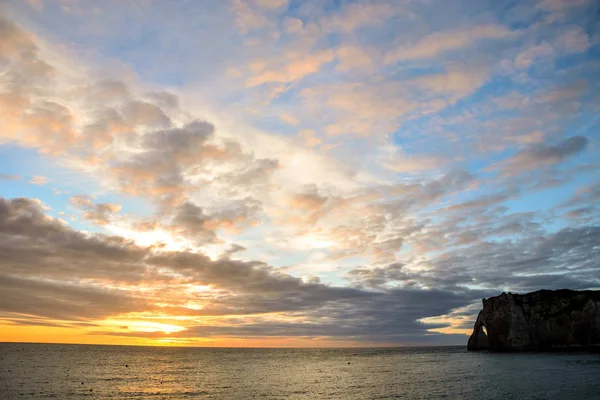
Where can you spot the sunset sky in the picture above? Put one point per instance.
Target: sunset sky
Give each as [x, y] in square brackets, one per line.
[292, 173]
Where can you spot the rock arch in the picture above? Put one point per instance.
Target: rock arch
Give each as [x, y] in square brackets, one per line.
[479, 339]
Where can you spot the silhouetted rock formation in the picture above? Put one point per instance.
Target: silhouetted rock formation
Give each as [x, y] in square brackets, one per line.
[542, 320]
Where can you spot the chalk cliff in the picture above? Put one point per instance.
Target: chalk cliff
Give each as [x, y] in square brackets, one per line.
[542, 320]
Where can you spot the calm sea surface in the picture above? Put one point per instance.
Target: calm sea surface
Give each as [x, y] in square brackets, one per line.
[40, 371]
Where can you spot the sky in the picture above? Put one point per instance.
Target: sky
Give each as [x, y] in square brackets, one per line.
[286, 173]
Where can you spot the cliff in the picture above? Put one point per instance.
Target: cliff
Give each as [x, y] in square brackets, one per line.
[542, 320]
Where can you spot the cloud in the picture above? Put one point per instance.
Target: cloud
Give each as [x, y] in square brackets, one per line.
[44, 258]
[29, 236]
[310, 138]
[247, 18]
[145, 114]
[145, 147]
[455, 83]
[293, 25]
[584, 196]
[559, 10]
[528, 262]
[10, 177]
[372, 110]
[572, 91]
[100, 214]
[558, 5]
[482, 202]
[272, 4]
[532, 137]
[289, 119]
[235, 248]
[437, 43]
[573, 40]
[134, 142]
[38, 180]
[62, 301]
[373, 223]
[40, 123]
[192, 222]
[232, 226]
[294, 68]
[527, 57]
[166, 163]
[13, 39]
[355, 15]
[541, 156]
[354, 58]
[380, 276]
[360, 109]
[310, 200]
[403, 163]
[38, 5]
[82, 201]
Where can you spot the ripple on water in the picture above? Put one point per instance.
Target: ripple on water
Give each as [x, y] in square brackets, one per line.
[57, 371]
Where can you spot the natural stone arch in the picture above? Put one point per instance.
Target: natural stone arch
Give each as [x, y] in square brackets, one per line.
[479, 338]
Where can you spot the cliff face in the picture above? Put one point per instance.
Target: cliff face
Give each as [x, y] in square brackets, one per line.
[540, 320]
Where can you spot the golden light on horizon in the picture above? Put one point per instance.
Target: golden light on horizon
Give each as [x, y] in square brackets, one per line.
[155, 237]
[141, 326]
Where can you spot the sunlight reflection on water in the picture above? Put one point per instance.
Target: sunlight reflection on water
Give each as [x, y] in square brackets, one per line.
[36, 371]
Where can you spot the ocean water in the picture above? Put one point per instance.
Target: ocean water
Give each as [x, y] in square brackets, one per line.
[42, 371]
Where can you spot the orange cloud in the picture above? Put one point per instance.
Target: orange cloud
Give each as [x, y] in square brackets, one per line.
[355, 15]
[354, 58]
[300, 66]
[289, 119]
[437, 43]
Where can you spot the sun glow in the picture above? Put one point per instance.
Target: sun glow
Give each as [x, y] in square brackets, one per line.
[315, 241]
[156, 237]
[142, 326]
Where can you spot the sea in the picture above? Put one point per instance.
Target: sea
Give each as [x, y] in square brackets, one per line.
[54, 371]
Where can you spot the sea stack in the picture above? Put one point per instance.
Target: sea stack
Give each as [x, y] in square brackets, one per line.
[542, 321]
